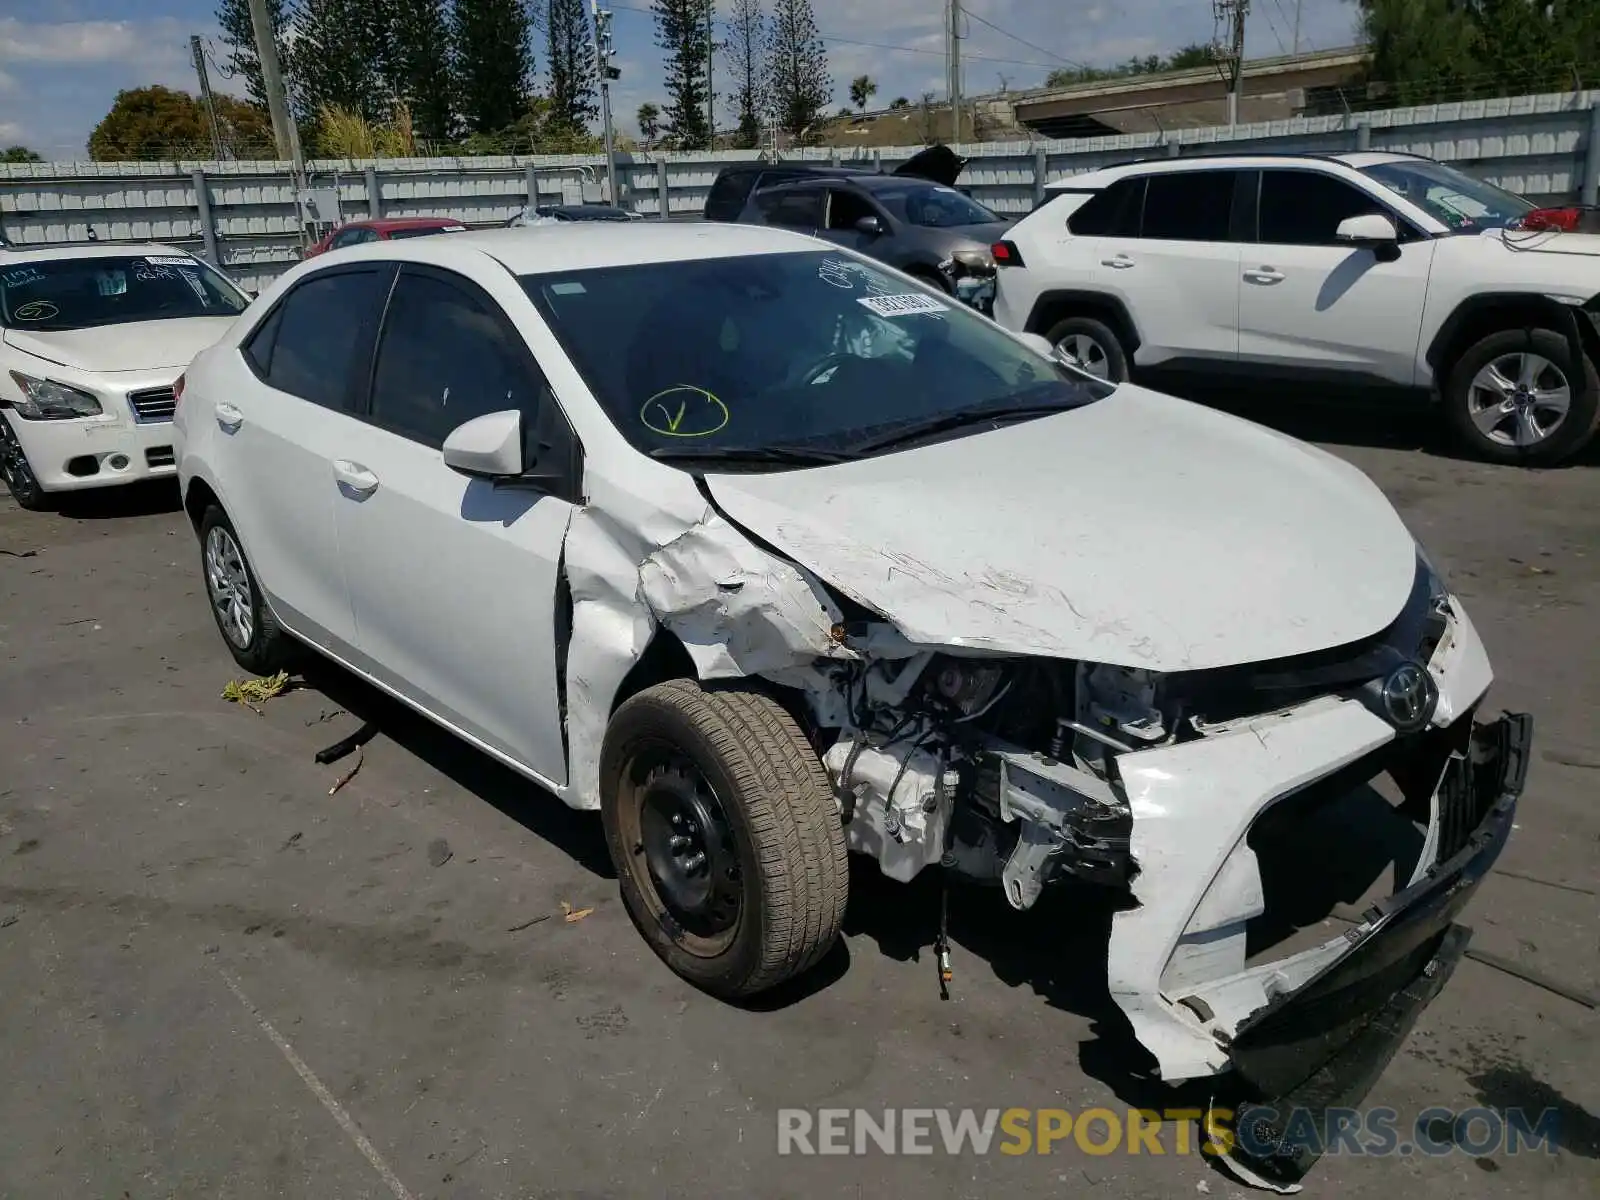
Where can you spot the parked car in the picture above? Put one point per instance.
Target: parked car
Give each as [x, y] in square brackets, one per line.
[550, 214]
[91, 339]
[1372, 273]
[383, 229]
[772, 555]
[912, 218]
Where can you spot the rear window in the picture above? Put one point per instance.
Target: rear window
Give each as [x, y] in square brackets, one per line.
[1114, 212]
[425, 231]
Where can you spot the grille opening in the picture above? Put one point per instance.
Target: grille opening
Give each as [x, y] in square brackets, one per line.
[83, 465]
[159, 456]
[1330, 851]
[153, 404]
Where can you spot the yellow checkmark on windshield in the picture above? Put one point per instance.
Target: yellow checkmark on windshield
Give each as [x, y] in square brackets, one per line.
[699, 413]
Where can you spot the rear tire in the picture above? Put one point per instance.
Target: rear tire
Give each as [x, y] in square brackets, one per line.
[725, 835]
[249, 629]
[1519, 396]
[20, 480]
[1093, 345]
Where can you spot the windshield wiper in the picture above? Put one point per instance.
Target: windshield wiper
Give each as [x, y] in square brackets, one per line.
[960, 419]
[804, 456]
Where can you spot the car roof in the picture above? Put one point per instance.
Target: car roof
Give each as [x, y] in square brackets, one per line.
[1105, 176]
[578, 245]
[12, 253]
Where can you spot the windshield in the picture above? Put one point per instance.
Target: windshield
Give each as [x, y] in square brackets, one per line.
[809, 351]
[933, 206]
[79, 293]
[1464, 204]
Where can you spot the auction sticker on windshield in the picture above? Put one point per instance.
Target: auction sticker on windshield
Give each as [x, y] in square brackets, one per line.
[905, 305]
[169, 260]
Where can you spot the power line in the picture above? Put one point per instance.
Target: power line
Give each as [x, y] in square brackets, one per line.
[1023, 41]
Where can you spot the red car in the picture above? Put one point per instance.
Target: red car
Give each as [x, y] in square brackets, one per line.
[382, 229]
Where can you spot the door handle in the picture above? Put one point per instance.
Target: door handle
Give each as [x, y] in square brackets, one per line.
[1120, 263]
[1264, 275]
[229, 418]
[355, 480]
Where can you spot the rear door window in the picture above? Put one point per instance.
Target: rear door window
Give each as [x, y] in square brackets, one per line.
[792, 208]
[317, 336]
[1113, 212]
[1189, 206]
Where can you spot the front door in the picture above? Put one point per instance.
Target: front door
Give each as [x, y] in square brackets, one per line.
[454, 580]
[1315, 306]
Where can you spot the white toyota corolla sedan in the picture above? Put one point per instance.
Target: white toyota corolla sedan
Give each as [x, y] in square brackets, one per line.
[91, 339]
[770, 553]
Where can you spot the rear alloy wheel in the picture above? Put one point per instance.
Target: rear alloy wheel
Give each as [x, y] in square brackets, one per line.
[725, 834]
[243, 618]
[1520, 396]
[20, 480]
[1093, 346]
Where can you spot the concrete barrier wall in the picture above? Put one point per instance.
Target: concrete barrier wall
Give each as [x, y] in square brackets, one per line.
[243, 215]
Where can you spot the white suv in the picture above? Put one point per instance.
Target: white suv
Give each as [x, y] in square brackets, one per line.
[1374, 271]
[92, 338]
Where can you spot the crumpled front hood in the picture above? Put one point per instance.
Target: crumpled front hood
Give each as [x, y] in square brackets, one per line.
[134, 346]
[1141, 530]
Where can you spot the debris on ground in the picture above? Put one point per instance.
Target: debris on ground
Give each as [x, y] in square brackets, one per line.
[344, 746]
[348, 775]
[293, 838]
[439, 852]
[251, 692]
[11, 919]
[18, 553]
[574, 915]
[527, 924]
[325, 716]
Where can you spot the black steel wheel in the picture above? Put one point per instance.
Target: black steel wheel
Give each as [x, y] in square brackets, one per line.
[19, 478]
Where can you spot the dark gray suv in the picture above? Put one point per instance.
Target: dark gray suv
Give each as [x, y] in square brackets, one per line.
[912, 219]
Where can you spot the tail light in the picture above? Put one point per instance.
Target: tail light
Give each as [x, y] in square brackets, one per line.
[1006, 254]
[1564, 220]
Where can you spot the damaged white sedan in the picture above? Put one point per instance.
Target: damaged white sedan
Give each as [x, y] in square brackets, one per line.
[770, 553]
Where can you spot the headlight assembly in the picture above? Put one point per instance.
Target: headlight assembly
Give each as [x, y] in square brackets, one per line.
[47, 400]
[978, 262]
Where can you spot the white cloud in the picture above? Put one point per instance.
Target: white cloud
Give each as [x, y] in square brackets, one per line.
[83, 41]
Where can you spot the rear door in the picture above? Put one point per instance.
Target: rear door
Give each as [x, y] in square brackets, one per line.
[796, 206]
[455, 580]
[281, 428]
[1312, 305]
[1177, 271]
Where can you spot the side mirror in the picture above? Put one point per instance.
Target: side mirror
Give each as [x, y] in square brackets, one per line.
[1372, 231]
[488, 447]
[869, 225]
[1039, 342]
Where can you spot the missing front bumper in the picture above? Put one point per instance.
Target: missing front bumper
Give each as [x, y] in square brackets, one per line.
[1325, 1044]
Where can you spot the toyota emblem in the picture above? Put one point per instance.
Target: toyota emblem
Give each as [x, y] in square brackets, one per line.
[1409, 696]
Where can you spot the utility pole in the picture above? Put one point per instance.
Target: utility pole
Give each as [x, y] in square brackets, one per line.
[955, 71]
[206, 98]
[1230, 15]
[283, 130]
[603, 54]
[1297, 5]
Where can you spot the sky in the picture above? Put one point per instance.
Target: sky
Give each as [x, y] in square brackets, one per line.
[62, 62]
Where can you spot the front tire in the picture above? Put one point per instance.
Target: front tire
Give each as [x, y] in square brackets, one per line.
[247, 625]
[1093, 345]
[20, 480]
[1520, 396]
[725, 835]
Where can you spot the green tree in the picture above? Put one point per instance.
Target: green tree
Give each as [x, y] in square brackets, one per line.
[1185, 59]
[797, 66]
[418, 66]
[158, 122]
[682, 31]
[899, 103]
[744, 44]
[19, 154]
[239, 36]
[649, 118]
[343, 52]
[569, 60]
[493, 62]
[862, 89]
